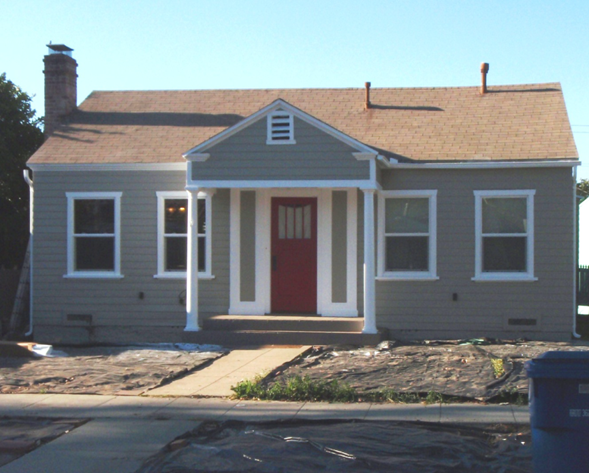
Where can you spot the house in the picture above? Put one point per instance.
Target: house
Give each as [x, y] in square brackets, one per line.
[426, 212]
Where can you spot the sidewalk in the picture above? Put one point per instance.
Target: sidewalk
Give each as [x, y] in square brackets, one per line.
[239, 364]
[127, 430]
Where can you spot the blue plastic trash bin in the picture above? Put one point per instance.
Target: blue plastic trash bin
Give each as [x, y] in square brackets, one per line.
[559, 411]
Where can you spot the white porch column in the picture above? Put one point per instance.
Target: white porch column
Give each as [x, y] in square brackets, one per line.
[369, 267]
[192, 264]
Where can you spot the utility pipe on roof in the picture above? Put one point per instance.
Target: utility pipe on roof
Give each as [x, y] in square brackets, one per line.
[367, 103]
[484, 70]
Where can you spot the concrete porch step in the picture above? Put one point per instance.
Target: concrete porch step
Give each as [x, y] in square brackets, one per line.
[283, 323]
[279, 337]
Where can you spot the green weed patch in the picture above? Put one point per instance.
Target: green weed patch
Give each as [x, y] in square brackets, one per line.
[300, 388]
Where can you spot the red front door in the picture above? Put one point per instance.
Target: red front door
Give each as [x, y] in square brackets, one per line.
[294, 255]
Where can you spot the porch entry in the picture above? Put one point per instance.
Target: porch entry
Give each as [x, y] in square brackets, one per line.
[294, 255]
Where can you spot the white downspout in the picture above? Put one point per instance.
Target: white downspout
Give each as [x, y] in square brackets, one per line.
[29, 181]
[575, 260]
[369, 264]
[192, 266]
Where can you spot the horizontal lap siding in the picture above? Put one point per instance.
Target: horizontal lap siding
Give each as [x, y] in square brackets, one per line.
[426, 309]
[316, 155]
[116, 302]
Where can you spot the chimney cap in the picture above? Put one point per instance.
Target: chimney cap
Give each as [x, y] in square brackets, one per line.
[60, 49]
[484, 67]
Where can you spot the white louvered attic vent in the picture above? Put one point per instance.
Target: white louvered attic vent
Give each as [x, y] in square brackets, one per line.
[280, 128]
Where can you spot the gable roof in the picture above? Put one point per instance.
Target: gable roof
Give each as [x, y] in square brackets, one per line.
[517, 122]
[281, 105]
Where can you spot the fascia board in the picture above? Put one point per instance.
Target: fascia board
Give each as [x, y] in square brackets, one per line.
[489, 165]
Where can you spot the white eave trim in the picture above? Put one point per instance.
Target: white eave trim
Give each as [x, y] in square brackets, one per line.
[282, 105]
[37, 167]
[302, 184]
[488, 165]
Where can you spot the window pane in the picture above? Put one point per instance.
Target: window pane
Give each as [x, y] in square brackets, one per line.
[175, 254]
[289, 222]
[94, 216]
[504, 215]
[504, 254]
[95, 253]
[281, 222]
[307, 219]
[201, 253]
[298, 222]
[202, 216]
[407, 253]
[407, 215]
[176, 215]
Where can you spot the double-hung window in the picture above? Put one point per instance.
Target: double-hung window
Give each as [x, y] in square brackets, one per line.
[504, 247]
[173, 234]
[407, 235]
[93, 234]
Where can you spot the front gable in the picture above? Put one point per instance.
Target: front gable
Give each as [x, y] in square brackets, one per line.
[278, 143]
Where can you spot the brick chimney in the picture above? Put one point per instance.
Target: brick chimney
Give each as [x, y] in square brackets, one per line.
[60, 85]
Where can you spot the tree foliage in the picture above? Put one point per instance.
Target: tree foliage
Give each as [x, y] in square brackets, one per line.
[20, 136]
[583, 189]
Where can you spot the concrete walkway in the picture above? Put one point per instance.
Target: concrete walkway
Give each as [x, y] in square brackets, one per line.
[124, 430]
[240, 364]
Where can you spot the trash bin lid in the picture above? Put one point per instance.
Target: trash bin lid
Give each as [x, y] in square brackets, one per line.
[559, 364]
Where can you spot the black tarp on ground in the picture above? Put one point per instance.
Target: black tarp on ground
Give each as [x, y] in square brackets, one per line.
[360, 446]
[454, 368]
[103, 370]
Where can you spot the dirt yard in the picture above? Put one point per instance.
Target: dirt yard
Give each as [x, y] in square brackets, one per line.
[468, 370]
[103, 370]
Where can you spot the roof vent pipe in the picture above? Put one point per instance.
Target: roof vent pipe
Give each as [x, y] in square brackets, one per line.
[367, 103]
[484, 70]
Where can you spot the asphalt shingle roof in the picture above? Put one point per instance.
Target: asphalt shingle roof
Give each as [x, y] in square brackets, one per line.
[515, 122]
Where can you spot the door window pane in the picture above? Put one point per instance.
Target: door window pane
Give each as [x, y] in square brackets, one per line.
[289, 222]
[298, 222]
[307, 219]
[281, 222]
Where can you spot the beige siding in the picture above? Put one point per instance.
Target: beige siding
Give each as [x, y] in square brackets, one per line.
[339, 246]
[425, 309]
[316, 155]
[116, 302]
[247, 251]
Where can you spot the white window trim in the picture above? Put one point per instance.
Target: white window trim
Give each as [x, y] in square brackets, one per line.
[269, 140]
[528, 275]
[71, 198]
[430, 275]
[162, 196]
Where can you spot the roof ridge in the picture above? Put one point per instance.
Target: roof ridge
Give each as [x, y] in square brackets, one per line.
[531, 84]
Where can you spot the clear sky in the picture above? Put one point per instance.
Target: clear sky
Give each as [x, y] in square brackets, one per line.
[173, 44]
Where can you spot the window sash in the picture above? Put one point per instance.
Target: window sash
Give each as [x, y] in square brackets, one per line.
[165, 266]
[505, 251]
[416, 234]
[95, 254]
